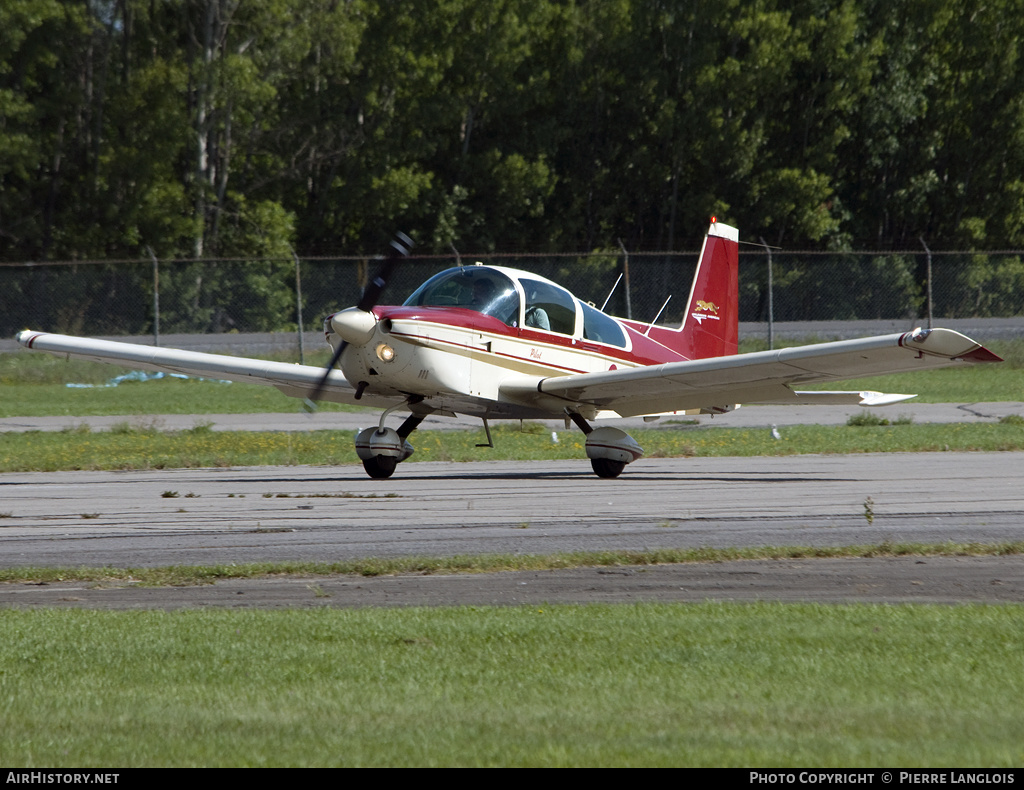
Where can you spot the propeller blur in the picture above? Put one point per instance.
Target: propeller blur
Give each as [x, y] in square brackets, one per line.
[359, 318]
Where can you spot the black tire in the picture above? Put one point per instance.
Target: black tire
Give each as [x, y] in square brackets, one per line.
[606, 468]
[380, 467]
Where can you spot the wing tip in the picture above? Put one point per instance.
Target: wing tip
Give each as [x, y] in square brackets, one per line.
[948, 343]
[982, 354]
[27, 337]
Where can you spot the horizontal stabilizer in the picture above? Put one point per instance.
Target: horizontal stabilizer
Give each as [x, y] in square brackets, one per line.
[842, 398]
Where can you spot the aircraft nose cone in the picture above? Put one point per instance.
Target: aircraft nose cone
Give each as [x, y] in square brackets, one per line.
[354, 326]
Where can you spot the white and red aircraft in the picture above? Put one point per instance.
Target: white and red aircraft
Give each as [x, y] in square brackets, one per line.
[499, 343]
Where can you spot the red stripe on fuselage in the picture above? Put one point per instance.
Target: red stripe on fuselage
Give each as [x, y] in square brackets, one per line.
[644, 351]
[428, 340]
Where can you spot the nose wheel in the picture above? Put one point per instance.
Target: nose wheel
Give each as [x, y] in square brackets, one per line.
[380, 467]
[382, 449]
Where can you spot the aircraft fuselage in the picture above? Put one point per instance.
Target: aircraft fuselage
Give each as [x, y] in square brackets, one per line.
[459, 355]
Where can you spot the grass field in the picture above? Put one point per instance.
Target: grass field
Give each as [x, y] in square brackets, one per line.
[34, 385]
[128, 447]
[639, 685]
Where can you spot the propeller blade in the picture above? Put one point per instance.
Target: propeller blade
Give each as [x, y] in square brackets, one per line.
[309, 404]
[401, 245]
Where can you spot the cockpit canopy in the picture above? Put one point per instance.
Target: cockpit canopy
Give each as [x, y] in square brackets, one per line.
[478, 288]
[517, 299]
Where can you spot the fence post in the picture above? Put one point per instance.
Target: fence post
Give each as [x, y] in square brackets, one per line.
[928, 279]
[771, 306]
[298, 308]
[156, 296]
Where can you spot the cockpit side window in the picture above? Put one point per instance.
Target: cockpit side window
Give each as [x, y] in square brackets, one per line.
[474, 288]
[601, 328]
[548, 307]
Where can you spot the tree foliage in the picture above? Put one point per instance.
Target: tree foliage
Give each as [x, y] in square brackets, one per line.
[225, 128]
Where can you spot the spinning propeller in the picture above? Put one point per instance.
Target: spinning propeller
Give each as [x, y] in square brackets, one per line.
[358, 322]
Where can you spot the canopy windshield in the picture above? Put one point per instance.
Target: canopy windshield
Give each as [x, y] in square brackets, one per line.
[475, 288]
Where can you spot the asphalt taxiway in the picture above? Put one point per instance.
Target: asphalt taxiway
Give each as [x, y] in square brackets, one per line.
[236, 515]
[746, 417]
[933, 580]
[213, 516]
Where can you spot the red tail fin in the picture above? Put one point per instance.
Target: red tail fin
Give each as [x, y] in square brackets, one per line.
[711, 322]
[710, 325]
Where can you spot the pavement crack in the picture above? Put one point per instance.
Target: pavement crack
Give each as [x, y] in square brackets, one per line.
[966, 407]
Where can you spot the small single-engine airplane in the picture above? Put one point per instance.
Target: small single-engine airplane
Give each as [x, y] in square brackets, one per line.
[500, 343]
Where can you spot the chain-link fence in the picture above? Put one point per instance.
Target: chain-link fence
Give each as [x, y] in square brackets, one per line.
[215, 296]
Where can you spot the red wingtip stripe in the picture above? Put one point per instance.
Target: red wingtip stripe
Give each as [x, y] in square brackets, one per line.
[982, 354]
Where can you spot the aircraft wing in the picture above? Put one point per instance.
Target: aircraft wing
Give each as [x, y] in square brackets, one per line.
[717, 384]
[293, 380]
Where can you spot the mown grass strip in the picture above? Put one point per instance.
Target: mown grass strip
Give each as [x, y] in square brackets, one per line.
[598, 685]
[201, 447]
[168, 396]
[493, 563]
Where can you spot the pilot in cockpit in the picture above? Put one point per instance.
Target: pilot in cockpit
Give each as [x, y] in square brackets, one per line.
[483, 293]
[489, 298]
[536, 316]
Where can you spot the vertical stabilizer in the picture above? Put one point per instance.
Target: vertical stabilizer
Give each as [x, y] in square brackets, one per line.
[711, 322]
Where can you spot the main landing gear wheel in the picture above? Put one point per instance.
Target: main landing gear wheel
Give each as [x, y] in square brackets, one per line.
[608, 449]
[604, 467]
[380, 467]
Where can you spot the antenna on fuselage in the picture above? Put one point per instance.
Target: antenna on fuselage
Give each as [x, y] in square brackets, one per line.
[662, 310]
[617, 281]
